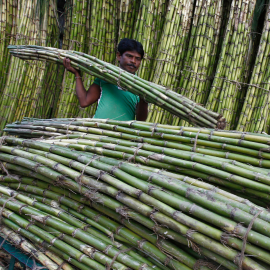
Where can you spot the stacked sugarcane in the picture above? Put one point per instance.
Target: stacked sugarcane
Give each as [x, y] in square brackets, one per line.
[47, 88]
[49, 259]
[156, 94]
[199, 64]
[171, 50]
[76, 38]
[147, 30]
[85, 236]
[226, 151]
[99, 185]
[255, 111]
[8, 11]
[93, 30]
[23, 92]
[227, 87]
[102, 40]
[128, 11]
[50, 87]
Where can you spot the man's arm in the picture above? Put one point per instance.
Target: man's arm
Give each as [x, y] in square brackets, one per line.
[142, 110]
[86, 98]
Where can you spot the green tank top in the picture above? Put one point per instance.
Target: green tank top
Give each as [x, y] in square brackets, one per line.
[115, 103]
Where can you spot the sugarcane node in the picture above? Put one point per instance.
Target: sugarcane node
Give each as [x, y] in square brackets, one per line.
[59, 213]
[21, 208]
[209, 265]
[123, 211]
[106, 250]
[233, 211]
[61, 236]
[28, 225]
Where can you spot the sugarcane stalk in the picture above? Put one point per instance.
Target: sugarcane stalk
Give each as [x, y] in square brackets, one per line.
[81, 235]
[132, 203]
[27, 247]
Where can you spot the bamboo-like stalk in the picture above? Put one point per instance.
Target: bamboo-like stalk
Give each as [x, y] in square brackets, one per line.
[253, 115]
[226, 87]
[77, 40]
[185, 204]
[72, 252]
[171, 49]
[27, 247]
[83, 236]
[130, 202]
[129, 223]
[152, 92]
[22, 83]
[198, 69]
[38, 241]
[58, 260]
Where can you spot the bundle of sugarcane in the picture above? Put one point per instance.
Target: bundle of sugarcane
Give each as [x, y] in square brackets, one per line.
[24, 80]
[171, 51]
[40, 102]
[101, 43]
[254, 114]
[231, 69]
[76, 38]
[47, 258]
[156, 94]
[199, 63]
[179, 213]
[235, 161]
[128, 10]
[147, 30]
[8, 12]
[45, 102]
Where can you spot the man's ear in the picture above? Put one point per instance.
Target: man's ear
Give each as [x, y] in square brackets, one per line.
[118, 55]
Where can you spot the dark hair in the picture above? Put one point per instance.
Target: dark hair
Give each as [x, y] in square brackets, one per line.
[127, 44]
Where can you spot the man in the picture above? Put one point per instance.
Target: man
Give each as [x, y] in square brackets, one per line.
[113, 102]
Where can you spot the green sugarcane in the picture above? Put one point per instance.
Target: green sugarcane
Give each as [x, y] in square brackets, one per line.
[96, 233]
[35, 239]
[238, 179]
[27, 247]
[185, 206]
[78, 188]
[170, 134]
[163, 244]
[108, 223]
[133, 205]
[110, 66]
[163, 218]
[60, 245]
[81, 235]
[155, 163]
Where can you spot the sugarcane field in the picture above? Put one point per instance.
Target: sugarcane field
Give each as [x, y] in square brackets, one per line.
[135, 134]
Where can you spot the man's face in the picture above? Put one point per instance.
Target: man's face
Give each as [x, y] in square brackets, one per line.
[129, 61]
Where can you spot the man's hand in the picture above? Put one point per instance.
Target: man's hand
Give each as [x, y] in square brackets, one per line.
[67, 65]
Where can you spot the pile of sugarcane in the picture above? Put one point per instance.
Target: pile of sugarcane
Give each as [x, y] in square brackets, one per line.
[24, 91]
[156, 94]
[106, 192]
[90, 27]
[232, 69]
[254, 115]
[231, 160]
[171, 51]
